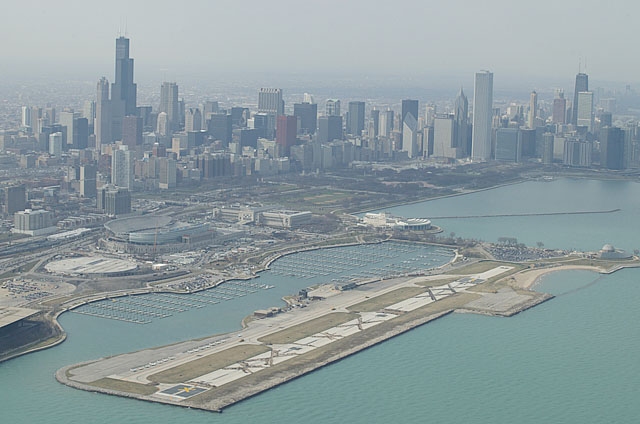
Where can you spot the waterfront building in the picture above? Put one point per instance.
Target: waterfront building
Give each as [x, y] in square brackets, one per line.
[482, 116]
[508, 145]
[612, 142]
[577, 153]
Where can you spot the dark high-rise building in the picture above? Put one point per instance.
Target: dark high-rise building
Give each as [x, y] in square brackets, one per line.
[329, 128]
[239, 116]
[221, 127]
[612, 148]
[409, 106]
[307, 114]
[15, 199]
[170, 104]
[461, 127]
[80, 133]
[582, 85]
[123, 90]
[286, 131]
[88, 180]
[559, 115]
[355, 120]
[132, 131]
[375, 123]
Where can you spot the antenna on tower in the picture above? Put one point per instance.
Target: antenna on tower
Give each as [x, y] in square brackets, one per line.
[585, 65]
[126, 32]
[579, 64]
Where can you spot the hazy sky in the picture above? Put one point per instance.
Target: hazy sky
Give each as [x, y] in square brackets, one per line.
[535, 39]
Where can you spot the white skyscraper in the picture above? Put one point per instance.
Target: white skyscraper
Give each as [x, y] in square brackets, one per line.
[482, 114]
[585, 110]
[410, 136]
[122, 168]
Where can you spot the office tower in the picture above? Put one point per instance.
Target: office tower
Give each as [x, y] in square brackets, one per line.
[122, 167]
[26, 117]
[123, 90]
[221, 127]
[355, 120]
[582, 85]
[66, 120]
[114, 200]
[329, 128]
[410, 136]
[286, 131]
[409, 106]
[15, 199]
[559, 114]
[270, 101]
[533, 109]
[444, 137]
[89, 111]
[55, 144]
[482, 116]
[375, 123]
[577, 153]
[386, 123]
[88, 180]
[307, 114]
[169, 103]
[508, 145]
[332, 107]
[307, 98]
[612, 140]
[80, 133]
[162, 126]
[192, 120]
[606, 119]
[239, 117]
[547, 148]
[102, 127]
[167, 173]
[460, 117]
[132, 131]
[585, 110]
[34, 222]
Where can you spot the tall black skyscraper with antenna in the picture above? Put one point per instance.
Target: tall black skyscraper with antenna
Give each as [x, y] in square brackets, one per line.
[582, 84]
[123, 90]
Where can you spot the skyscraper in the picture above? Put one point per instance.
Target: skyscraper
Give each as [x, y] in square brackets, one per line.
[612, 148]
[584, 109]
[123, 90]
[307, 114]
[461, 127]
[582, 84]
[559, 115]
[270, 101]
[410, 136]
[355, 121]
[286, 131]
[533, 109]
[122, 167]
[482, 114]
[332, 107]
[192, 120]
[374, 124]
[409, 106]
[102, 128]
[444, 129]
[169, 103]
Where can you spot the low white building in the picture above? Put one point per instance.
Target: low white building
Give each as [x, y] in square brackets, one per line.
[385, 220]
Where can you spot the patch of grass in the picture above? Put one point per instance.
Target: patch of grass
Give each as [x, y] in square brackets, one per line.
[125, 386]
[380, 302]
[477, 268]
[207, 364]
[307, 328]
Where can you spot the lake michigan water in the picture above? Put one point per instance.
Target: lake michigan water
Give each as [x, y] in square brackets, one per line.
[570, 360]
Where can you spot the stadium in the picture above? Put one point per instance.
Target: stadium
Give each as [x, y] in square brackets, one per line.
[146, 234]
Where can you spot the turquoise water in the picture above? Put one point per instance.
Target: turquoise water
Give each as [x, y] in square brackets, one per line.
[570, 360]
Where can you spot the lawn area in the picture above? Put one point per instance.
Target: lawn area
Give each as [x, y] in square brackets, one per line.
[125, 386]
[477, 268]
[308, 328]
[207, 364]
[380, 302]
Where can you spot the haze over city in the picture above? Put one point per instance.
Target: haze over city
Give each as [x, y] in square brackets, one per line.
[528, 41]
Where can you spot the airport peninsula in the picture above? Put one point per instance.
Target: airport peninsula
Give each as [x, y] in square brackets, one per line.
[215, 372]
